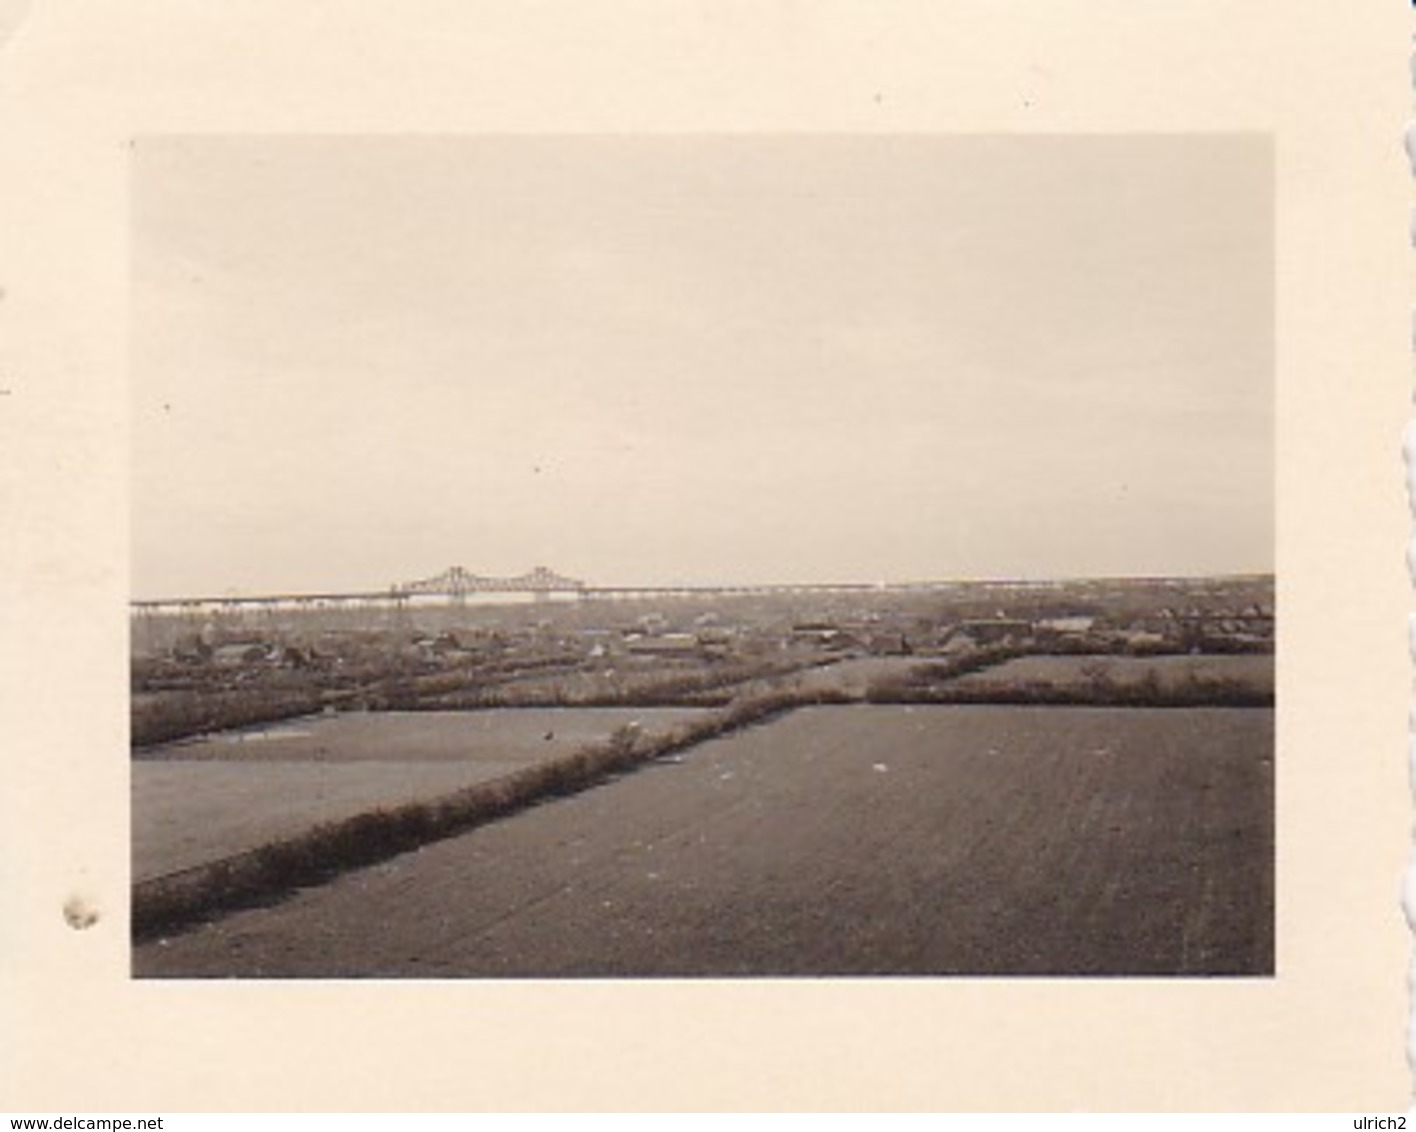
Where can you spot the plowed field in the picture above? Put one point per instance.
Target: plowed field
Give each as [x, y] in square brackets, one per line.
[200, 800]
[846, 840]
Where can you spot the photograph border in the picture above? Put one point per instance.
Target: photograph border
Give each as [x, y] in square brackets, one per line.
[1328, 1033]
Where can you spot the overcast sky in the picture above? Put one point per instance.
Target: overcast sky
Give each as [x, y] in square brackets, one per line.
[359, 361]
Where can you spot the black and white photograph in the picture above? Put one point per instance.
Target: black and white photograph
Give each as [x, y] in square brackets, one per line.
[702, 555]
[705, 557]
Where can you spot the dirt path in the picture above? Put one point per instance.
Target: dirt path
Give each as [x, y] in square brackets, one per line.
[848, 840]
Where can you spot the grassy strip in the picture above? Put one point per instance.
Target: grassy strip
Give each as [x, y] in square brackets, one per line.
[165, 905]
[1219, 694]
[494, 698]
[940, 685]
[180, 717]
[203, 711]
[711, 686]
[923, 680]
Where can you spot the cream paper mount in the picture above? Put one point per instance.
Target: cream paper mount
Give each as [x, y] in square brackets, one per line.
[85, 87]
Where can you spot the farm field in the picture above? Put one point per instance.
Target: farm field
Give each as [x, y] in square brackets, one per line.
[1251, 670]
[848, 840]
[197, 801]
[854, 676]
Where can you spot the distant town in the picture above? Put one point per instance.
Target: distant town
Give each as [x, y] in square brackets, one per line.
[543, 639]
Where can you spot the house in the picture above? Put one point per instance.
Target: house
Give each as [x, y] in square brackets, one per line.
[442, 647]
[191, 651]
[822, 634]
[716, 642]
[668, 645]
[1064, 631]
[1144, 641]
[996, 630]
[958, 643]
[238, 654]
[1067, 626]
[888, 643]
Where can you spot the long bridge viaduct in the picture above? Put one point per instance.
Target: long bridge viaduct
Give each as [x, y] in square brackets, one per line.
[456, 586]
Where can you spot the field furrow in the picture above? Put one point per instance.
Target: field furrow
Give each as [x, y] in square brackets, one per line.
[848, 840]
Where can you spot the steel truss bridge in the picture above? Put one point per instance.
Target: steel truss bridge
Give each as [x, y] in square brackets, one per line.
[456, 585]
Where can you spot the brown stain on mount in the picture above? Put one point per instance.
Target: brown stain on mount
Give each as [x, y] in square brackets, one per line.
[79, 914]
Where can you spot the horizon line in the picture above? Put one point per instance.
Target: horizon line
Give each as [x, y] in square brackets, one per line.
[401, 590]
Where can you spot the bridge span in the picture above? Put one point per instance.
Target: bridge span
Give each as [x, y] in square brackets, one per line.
[456, 586]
